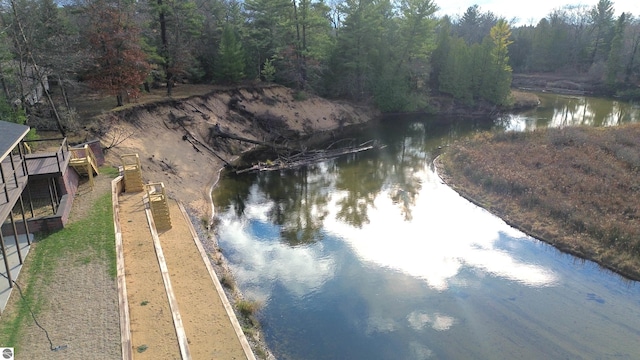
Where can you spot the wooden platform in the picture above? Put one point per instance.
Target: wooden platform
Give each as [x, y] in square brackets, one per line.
[132, 173]
[157, 200]
[48, 163]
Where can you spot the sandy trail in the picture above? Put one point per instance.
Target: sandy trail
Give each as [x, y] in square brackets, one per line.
[153, 335]
[208, 327]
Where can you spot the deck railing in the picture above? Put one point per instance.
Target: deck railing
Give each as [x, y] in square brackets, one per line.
[4, 190]
[61, 154]
[9, 166]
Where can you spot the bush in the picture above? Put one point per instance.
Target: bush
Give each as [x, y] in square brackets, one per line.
[268, 71]
[247, 308]
[15, 115]
[630, 156]
[569, 136]
[227, 282]
[300, 96]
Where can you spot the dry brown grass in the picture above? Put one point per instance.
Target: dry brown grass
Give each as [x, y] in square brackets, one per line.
[577, 188]
[522, 99]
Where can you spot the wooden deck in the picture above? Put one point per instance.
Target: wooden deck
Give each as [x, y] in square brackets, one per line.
[11, 189]
[48, 163]
[16, 169]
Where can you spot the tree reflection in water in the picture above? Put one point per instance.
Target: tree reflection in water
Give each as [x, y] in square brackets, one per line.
[298, 198]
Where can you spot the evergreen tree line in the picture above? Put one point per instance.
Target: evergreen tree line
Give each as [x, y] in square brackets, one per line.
[394, 54]
[590, 42]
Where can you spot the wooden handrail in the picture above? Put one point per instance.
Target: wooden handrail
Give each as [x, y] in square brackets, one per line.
[126, 157]
[91, 156]
[60, 153]
[87, 158]
[88, 153]
[152, 189]
[6, 193]
[48, 139]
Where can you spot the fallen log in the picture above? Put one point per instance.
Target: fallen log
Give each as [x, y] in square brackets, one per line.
[308, 157]
[188, 136]
[217, 132]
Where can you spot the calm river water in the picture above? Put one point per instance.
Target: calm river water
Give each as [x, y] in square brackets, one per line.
[370, 256]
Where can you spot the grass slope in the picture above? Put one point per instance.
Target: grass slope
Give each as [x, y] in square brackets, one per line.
[92, 238]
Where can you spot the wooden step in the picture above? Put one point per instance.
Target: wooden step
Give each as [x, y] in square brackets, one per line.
[133, 182]
[84, 162]
[157, 200]
[132, 173]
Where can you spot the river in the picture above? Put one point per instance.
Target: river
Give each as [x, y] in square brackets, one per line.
[371, 256]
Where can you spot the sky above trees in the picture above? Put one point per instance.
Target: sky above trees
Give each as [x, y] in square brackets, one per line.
[527, 12]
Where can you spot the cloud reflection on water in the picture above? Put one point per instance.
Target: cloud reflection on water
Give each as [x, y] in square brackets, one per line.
[300, 270]
[447, 234]
[419, 320]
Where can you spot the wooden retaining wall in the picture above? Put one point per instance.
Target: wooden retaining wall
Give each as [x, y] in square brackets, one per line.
[117, 187]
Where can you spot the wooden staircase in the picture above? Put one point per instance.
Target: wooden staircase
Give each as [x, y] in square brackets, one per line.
[158, 204]
[132, 173]
[83, 160]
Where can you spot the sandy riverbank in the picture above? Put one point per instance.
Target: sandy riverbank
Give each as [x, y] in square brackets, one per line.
[155, 132]
[189, 171]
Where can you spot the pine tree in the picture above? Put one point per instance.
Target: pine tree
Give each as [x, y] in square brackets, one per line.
[602, 24]
[499, 69]
[268, 31]
[456, 74]
[177, 23]
[231, 57]
[614, 62]
[363, 48]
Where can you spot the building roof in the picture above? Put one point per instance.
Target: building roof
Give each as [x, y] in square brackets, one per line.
[10, 136]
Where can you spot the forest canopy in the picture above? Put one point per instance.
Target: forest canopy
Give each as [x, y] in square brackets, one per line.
[395, 55]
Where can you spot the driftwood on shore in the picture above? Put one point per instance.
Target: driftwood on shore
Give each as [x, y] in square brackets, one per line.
[289, 157]
[188, 136]
[307, 157]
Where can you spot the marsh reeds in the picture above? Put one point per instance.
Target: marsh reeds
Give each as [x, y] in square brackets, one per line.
[575, 187]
